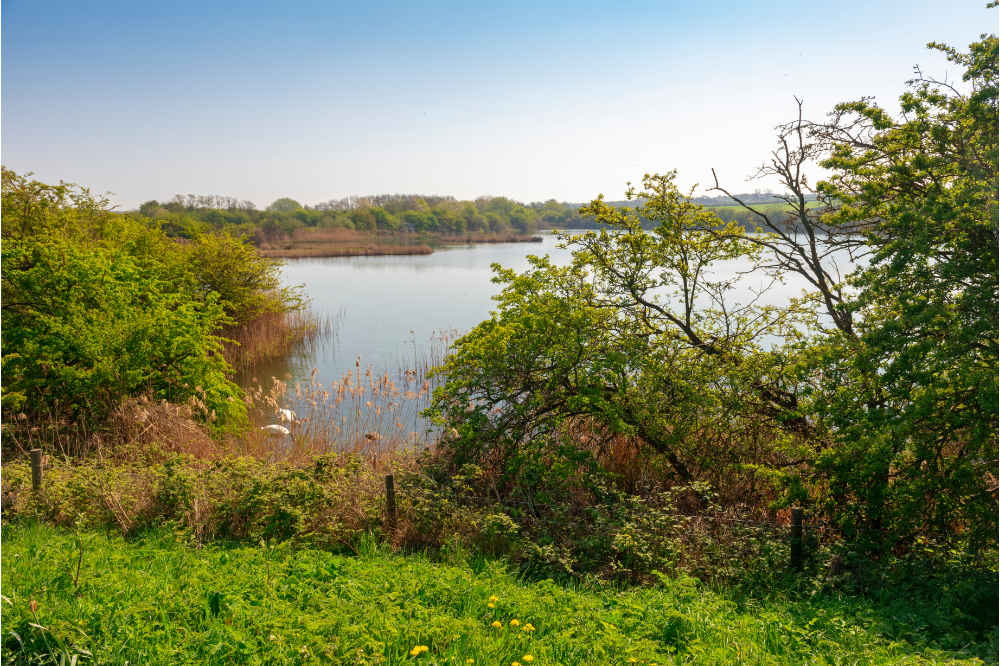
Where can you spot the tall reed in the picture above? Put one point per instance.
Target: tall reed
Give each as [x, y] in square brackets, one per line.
[276, 335]
[370, 411]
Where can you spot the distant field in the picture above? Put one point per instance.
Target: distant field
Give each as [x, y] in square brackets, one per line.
[155, 601]
[809, 204]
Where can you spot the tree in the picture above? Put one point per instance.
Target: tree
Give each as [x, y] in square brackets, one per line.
[384, 220]
[283, 205]
[363, 220]
[99, 307]
[600, 340]
[875, 390]
[924, 189]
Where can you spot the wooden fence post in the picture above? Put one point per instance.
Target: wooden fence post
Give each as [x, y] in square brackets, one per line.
[796, 540]
[36, 469]
[390, 504]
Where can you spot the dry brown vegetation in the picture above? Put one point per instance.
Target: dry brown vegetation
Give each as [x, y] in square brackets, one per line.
[274, 335]
[317, 243]
[490, 238]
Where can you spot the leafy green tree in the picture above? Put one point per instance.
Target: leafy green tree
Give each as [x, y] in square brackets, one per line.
[384, 220]
[307, 217]
[473, 220]
[448, 222]
[618, 337]
[876, 393]
[422, 221]
[245, 283]
[283, 205]
[363, 220]
[920, 447]
[522, 219]
[98, 307]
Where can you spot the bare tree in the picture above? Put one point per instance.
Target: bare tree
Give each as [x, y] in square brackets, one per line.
[798, 235]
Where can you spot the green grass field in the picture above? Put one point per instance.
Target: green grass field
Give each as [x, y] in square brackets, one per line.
[154, 601]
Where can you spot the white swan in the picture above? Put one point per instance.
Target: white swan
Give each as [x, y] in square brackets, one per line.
[287, 415]
[275, 429]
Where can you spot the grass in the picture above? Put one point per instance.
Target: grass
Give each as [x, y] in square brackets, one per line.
[154, 601]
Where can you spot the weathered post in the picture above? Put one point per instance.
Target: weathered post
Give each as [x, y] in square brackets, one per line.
[390, 504]
[796, 540]
[36, 469]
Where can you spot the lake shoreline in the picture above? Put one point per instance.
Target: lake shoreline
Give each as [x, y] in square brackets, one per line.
[363, 251]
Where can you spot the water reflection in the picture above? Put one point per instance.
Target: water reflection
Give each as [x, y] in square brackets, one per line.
[396, 308]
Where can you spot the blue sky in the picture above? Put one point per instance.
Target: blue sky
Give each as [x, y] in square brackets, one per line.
[531, 100]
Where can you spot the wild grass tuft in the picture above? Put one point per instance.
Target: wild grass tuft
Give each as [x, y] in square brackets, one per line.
[153, 601]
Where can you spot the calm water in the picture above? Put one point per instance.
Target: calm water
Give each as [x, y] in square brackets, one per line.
[394, 306]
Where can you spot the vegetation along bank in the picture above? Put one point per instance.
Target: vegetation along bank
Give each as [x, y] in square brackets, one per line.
[618, 470]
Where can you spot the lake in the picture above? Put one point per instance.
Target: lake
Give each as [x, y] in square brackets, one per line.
[395, 309]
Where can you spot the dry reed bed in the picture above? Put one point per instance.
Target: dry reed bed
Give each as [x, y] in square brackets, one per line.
[367, 251]
[275, 335]
[490, 238]
[379, 409]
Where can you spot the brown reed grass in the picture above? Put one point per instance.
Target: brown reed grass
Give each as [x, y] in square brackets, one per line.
[275, 335]
[490, 238]
[366, 251]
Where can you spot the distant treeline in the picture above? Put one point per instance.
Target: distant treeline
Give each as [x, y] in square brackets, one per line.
[185, 216]
[390, 213]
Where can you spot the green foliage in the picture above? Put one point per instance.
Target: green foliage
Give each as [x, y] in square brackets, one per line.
[871, 398]
[98, 307]
[363, 220]
[283, 205]
[245, 283]
[238, 499]
[617, 336]
[153, 601]
[920, 439]
[384, 220]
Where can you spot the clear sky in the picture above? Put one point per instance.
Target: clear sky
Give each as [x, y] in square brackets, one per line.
[532, 100]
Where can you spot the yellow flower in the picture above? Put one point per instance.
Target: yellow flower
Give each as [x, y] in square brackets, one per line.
[515, 664]
[496, 624]
[528, 627]
[490, 606]
[420, 649]
[470, 661]
[515, 623]
[494, 599]
[528, 658]
[632, 660]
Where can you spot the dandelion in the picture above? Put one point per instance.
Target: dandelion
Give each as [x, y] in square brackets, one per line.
[470, 661]
[515, 623]
[515, 664]
[632, 660]
[418, 650]
[527, 658]
[490, 606]
[496, 624]
[494, 599]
